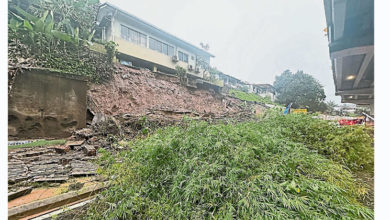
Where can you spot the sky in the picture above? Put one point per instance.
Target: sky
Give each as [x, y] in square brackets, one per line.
[253, 40]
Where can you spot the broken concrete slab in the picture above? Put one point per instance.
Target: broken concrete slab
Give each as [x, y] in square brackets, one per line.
[56, 179]
[98, 118]
[62, 149]
[17, 172]
[18, 193]
[89, 150]
[75, 143]
[84, 133]
[82, 168]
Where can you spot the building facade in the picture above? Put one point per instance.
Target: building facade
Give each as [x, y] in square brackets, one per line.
[145, 45]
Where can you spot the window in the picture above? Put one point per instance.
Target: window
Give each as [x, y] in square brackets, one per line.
[183, 57]
[133, 36]
[160, 47]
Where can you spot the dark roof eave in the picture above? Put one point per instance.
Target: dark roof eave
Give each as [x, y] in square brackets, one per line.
[158, 29]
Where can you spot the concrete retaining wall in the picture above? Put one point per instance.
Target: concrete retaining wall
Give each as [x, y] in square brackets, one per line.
[44, 103]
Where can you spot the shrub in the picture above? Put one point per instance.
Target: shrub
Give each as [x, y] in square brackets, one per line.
[351, 146]
[225, 171]
[251, 97]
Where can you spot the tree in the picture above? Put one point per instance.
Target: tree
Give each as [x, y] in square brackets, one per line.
[330, 106]
[301, 89]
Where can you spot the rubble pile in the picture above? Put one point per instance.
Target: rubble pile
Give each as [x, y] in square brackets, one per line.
[140, 92]
[49, 164]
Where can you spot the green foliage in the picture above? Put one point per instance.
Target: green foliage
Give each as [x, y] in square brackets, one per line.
[39, 143]
[225, 171]
[70, 14]
[56, 35]
[351, 146]
[182, 73]
[111, 50]
[251, 97]
[301, 89]
[330, 106]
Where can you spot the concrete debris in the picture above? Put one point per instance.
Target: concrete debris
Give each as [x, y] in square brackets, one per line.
[75, 186]
[82, 168]
[62, 149]
[98, 118]
[75, 143]
[19, 192]
[89, 150]
[84, 133]
[44, 164]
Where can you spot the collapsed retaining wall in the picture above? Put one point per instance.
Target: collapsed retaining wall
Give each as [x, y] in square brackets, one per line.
[43, 103]
[141, 92]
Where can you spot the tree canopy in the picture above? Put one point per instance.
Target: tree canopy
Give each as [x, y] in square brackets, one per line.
[300, 89]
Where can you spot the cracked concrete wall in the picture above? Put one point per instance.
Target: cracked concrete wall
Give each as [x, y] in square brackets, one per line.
[46, 104]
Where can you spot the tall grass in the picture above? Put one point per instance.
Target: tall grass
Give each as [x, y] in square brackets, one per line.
[39, 143]
[225, 171]
[351, 146]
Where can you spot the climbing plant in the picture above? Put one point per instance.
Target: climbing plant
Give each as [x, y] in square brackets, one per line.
[111, 50]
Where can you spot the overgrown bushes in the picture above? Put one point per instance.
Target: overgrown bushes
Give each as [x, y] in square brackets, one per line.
[226, 171]
[351, 146]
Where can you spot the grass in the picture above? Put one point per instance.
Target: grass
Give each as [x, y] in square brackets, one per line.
[249, 170]
[251, 97]
[39, 143]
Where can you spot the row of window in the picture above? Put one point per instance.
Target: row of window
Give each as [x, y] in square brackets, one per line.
[133, 36]
[160, 47]
[140, 39]
[183, 57]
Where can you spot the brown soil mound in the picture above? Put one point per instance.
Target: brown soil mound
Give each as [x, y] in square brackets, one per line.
[140, 91]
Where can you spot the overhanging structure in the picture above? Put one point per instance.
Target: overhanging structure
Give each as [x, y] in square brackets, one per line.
[350, 28]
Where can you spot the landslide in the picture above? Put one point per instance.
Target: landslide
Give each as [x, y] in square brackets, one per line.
[140, 92]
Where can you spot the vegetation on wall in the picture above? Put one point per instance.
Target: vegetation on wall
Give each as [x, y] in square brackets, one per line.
[251, 97]
[182, 74]
[56, 34]
[301, 89]
[251, 170]
[110, 50]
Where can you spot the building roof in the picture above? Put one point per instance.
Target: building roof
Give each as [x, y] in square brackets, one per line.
[350, 27]
[156, 28]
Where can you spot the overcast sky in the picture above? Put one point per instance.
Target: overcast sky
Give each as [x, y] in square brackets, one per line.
[253, 40]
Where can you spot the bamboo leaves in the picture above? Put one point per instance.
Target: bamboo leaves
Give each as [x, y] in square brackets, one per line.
[237, 171]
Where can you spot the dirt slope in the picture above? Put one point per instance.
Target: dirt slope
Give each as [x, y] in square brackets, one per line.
[139, 92]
